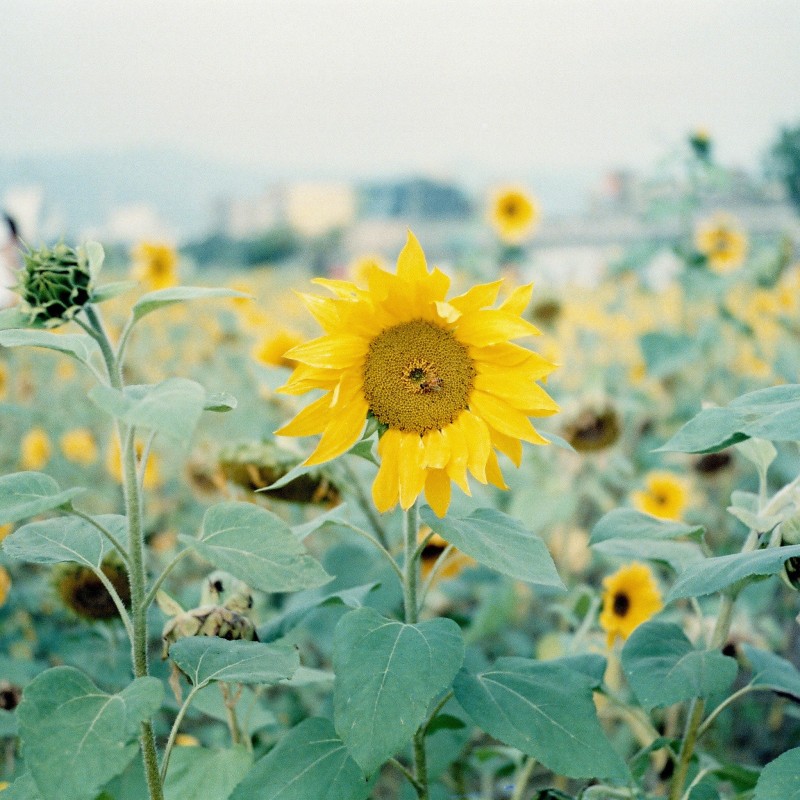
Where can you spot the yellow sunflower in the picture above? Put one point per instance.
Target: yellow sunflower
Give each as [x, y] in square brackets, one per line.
[513, 213]
[454, 564]
[271, 349]
[35, 449]
[5, 585]
[722, 243]
[630, 597]
[3, 380]
[79, 446]
[152, 472]
[665, 495]
[442, 379]
[156, 265]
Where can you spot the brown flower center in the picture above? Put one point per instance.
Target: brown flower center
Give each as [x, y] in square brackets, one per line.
[622, 604]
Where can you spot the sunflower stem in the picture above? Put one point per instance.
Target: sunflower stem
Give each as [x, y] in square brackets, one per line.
[410, 602]
[523, 776]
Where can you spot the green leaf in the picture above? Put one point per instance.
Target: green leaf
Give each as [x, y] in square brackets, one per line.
[110, 290]
[773, 671]
[221, 402]
[171, 408]
[780, 779]
[23, 788]
[75, 738]
[209, 658]
[95, 256]
[152, 301]
[8, 723]
[387, 674]
[626, 523]
[663, 667]
[309, 762]
[500, 542]
[11, 318]
[545, 709]
[76, 345]
[335, 515]
[27, 494]
[53, 541]
[258, 547]
[713, 574]
[196, 772]
[678, 555]
[758, 452]
[667, 353]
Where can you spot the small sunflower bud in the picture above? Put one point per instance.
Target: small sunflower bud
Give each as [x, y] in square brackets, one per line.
[55, 284]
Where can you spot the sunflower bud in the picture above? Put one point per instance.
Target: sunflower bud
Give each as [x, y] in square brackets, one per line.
[83, 593]
[55, 284]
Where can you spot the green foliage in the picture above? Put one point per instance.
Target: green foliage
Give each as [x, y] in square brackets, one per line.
[77, 345]
[26, 494]
[196, 772]
[625, 523]
[544, 709]
[161, 298]
[663, 667]
[76, 737]
[779, 780]
[387, 674]
[772, 671]
[668, 353]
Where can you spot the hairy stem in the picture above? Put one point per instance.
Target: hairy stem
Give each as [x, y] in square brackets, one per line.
[523, 776]
[176, 725]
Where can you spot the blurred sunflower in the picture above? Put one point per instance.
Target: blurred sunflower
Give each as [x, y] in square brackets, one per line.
[442, 379]
[513, 213]
[3, 380]
[5, 585]
[78, 446]
[271, 349]
[156, 265]
[35, 449]
[454, 563]
[721, 242]
[665, 495]
[152, 472]
[630, 597]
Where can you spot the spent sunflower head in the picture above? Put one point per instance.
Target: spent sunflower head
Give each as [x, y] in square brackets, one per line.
[722, 243]
[513, 213]
[442, 379]
[630, 597]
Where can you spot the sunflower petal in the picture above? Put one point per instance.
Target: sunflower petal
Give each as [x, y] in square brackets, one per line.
[437, 491]
[459, 454]
[411, 473]
[313, 419]
[518, 300]
[386, 486]
[342, 432]
[479, 443]
[508, 446]
[504, 417]
[411, 264]
[493, 472]
[437, 450]
[335, 351]
[490, 326]
[480, 296]
[322, 309]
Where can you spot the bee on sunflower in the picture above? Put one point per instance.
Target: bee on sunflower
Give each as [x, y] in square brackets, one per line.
[442, 379]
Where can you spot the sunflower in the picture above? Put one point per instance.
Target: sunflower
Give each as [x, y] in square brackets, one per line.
[271, 349]
[5, 585]
[630, 597]
[156, 265]
[513, 213]
[152, 472]
[35, 449]
[3, 380]
[79, 446]
[441, 378]
[453, 565]
[722, 243]
[665, 495]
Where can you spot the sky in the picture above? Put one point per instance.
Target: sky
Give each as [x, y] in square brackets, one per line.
[375, 86]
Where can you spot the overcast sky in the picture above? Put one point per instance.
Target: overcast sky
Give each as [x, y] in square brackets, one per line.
[378, 85]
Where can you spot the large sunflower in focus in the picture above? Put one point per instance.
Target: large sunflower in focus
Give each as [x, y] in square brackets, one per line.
[442, 378]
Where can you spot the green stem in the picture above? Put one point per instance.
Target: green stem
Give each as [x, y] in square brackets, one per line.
[117, 600]
[407, 773]
[175, 728]
[523, 776]
[410, 583]
[443, 556]
[370, 538]
[366, 506]
[151, 595]
[709, 720]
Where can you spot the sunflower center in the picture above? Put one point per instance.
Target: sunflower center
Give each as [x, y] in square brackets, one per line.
[622, 604]
[511, 208]
[417, 377]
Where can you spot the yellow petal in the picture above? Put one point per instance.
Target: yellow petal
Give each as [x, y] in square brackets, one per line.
[459, 454]
[518, 300]
[437, 491]
[507, 445]
[322, 309]
[480, 296]
[314, 418]
[437, 450]
[523, 394]
[479, 444]
[333, 351]
[344, 289]
[490, 326]
[342, 432]
[385, 488]
[410, 473]
[493, 473]
[411, 264]
[305, 378]
[504, 417]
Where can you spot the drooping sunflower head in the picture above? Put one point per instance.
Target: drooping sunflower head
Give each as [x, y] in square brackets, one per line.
[156, 265]
[442, 379]
[83, 593]
[513, 214]
[630, 597]
[722, 243]
[665, 495]
[592, 426]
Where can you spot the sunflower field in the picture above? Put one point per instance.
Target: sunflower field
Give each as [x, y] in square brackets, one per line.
[404, 530]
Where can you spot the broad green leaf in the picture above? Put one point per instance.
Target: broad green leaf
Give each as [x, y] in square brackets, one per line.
[172, 408]
[678, 555]
[332, 517]
[773, 671]
[77, 345]
[27, 494]
[387, 674]
[626, 523]
[253, 713]
[11, 318]
[53, 541]
[667, 353]
[711, 430]
[779, 779]
[152, 301]
[498, 541]
[197, 772]
[258, 547]
[713, 574]
[310, 761]
[220, 401]
[75, 738]
[209, 658]
[758, 452]
[23, 788]
[663, 667]
[8, 723]
[110, 290]
[545, 709]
